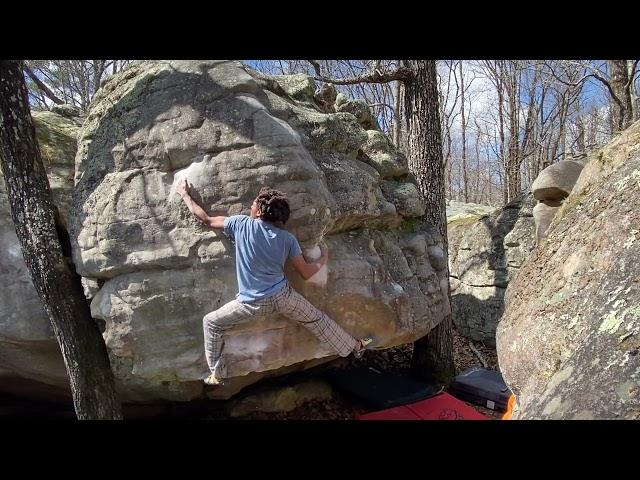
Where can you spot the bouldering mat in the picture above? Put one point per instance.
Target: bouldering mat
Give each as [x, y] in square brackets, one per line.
[379, 389]
[440, 407]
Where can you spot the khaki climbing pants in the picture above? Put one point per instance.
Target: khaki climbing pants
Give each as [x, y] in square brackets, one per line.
[287, 302]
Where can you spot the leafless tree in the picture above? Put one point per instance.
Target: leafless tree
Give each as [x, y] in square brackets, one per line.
[74, 82]
[58, 285]
[502, 121]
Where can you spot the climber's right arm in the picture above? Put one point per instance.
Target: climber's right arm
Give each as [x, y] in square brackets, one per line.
[198, 212]
[308, 270]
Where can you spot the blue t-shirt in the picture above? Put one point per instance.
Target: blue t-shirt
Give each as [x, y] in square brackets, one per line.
[261, 250]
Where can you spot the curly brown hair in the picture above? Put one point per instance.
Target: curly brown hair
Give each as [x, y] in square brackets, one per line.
[273, 205]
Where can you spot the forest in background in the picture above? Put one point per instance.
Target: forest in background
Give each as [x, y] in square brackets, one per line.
[502, 121]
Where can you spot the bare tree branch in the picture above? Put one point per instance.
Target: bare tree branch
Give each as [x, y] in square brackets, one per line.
[41, 85]
[381, 104]
[477, 353]
[401, 73]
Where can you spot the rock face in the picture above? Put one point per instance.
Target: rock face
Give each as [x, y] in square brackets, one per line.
[459, 211]
[28, 348]
[155, 272]
[550, 188]
[282, 399]
[569, 339]
[554, 183]
[485, 252]
[56, 135]
[543, 216]
[65, 110]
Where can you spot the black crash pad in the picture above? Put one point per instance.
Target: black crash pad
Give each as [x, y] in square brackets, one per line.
[379, 389]
[482, 387]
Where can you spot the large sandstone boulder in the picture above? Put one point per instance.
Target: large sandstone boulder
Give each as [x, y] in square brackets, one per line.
[603, 162]
[379, 152]
[460, 218]
[569, 339]
[463, 212]
[56, 135]
[360, 109]
[551, 187]
[67, 111]
[325, 96]
[230, 130]
[554, 183]
[28, 349]
[543, 216]
[485, 253]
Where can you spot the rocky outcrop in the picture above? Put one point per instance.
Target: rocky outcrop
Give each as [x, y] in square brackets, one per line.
[543, 216]
[550, 188]
[56, 135]
[554, 183]
[569, 339]
[485, 253]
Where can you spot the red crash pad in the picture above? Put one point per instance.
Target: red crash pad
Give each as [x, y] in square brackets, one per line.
[440, 407]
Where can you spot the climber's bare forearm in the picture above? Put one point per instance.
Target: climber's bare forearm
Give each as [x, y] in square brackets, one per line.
[200, 214]
[308, 269]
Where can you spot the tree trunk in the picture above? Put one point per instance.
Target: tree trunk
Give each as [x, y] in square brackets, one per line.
[632, 90]
[529, 124]
[478, 189]
[620, 85]
[581, 146]
[561, 125]
[59, 288]
[593, 126]
[98, 71]
[448, 166]
[432, 354]
[397, 123]
[513, 149]
[505, 190]
[465, 172]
